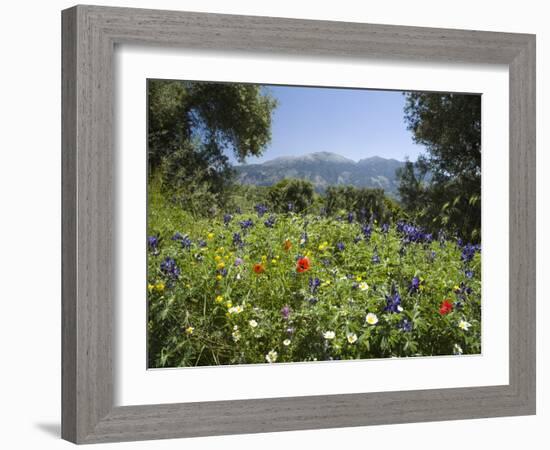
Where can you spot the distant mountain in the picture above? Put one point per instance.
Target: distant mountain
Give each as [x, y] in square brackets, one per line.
[324, 169]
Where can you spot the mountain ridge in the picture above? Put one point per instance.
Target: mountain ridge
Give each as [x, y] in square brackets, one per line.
[324, 169]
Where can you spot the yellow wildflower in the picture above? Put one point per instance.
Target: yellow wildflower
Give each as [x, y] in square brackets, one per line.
[220, 265]
[219, 277]
[323, 246]
[217, 258]
[273, 261]
[219, 299]
[189, 331]
[264, 258]
[150, 287]
[358, 278]
[210, 236]
[228, 303]
[159, 286]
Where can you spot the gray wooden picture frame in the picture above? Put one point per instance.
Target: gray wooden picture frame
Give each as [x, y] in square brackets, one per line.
[89, 37]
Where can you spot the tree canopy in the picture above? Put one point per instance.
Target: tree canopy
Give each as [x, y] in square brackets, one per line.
[291, 195]
[443, 187]
[192, 126]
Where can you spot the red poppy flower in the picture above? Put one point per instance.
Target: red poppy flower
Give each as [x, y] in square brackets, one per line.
[303, 264]
[287, 245]
[258, 268]
[446, 307]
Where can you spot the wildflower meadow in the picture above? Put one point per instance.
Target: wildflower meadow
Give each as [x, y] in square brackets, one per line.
[265, 287]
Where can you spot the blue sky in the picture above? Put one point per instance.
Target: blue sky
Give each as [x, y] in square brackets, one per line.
[355, 123]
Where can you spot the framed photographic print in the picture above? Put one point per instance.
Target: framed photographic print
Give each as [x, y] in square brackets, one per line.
[335, 219]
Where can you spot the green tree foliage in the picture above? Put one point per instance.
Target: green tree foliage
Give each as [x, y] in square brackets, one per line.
[363, 202]
[443, 188]
[194, 125]
[339, 198]
[291, 194]
[244, 197]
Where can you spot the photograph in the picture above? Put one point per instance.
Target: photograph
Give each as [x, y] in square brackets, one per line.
[301, 224]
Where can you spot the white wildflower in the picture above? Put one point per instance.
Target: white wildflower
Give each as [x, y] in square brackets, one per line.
[328, 335]
[271, 357]
[372, 319]
[236, 335]
[235, 309]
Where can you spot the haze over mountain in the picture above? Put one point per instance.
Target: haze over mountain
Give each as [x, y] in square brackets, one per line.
[324, 169]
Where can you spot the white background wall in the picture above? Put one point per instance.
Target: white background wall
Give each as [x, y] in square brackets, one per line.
[30, 210]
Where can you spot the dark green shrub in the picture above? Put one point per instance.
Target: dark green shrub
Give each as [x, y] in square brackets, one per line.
[291, 195]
